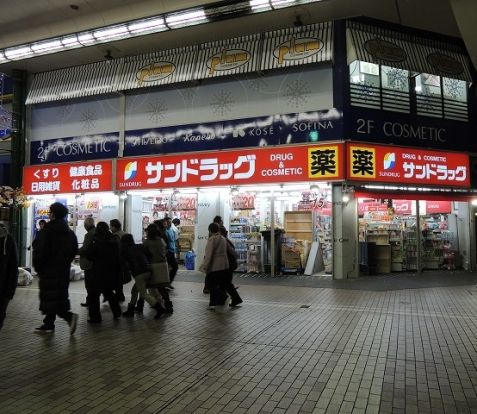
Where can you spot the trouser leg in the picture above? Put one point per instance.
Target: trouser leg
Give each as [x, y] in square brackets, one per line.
[141, 287]
[93, 305]
[3, 310]
[113, 303]
[49, 320]
[172, 262]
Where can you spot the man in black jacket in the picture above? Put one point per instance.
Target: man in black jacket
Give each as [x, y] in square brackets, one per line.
[53, 251]
[8, 271]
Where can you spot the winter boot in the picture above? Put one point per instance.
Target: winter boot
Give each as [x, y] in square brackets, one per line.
[159, 309]
[169, 308]
[130, 312]
[139, 305]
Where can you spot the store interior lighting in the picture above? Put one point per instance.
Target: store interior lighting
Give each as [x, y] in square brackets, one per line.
[140, 27]
[474, 202]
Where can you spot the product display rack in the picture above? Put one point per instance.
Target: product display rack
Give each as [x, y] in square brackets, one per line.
[247, 245]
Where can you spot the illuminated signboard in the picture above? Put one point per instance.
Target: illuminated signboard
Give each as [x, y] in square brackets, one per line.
[78, 177]
[251, 166]
[374, 163]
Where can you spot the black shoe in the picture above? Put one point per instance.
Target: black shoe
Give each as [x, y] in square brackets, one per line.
[205, 291]
[235, 303]
[45, 329]
[159, 309]
[85, 304]
[169, 308]
[130, 312]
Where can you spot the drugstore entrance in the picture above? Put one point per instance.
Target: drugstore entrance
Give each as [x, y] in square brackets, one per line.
[406, 235]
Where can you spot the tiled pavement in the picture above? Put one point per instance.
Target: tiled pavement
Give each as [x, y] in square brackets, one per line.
[286, 350]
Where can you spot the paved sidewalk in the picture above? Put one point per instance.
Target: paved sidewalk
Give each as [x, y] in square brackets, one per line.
[286, 350]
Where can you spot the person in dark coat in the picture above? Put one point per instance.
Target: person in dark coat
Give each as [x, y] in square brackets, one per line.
[226, 284]
[54, 249]
[8, 271]
[104, 255]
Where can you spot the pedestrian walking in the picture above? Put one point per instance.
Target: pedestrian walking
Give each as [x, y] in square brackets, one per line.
[8, 271]
[54, 249]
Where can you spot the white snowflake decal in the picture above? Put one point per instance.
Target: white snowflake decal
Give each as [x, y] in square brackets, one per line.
[189, 94]
[258, 84]
[157, 111]
[453, 88]
[88, 120]
[397, 78]
[296, 93]
[222, 103]
[64, 111]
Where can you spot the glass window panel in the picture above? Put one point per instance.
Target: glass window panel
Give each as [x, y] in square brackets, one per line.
[427, 84]
[394, 78]
[455, 89]
[364, 73]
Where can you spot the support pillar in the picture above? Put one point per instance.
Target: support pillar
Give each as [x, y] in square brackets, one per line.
[345, 235]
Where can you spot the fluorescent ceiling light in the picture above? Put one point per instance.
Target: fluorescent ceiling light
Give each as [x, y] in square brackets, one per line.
[147, 25]
[70, 41]
[186, 18]
[153, 24]
[86, 38]
[260, 5]
[19, 52]
[283, 3]
[48, 45]
[111, 32]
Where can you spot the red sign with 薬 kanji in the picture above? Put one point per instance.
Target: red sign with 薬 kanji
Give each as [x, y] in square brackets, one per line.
[78, 177]
[407, 166]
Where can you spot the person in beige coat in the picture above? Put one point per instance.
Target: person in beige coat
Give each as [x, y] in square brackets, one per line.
[215, 263]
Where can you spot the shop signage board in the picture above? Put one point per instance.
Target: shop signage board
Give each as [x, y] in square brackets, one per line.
[387, 164]
[79, 148]
[247, 132]
[438, 207]
[81, 177]
[251, 166]
[385, 127]
[243, 202]
[178, 202]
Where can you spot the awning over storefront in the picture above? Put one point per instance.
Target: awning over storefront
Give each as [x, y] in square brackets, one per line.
[382, 46]
[158, 68]
[86, 80]
[298, 46]
[228, 57]
[246, 54]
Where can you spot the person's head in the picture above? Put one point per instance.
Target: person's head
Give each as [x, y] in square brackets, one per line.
[88, 223]
[176, 221]
[115, 225]
[102, 228]
[152, 232]
[41, 224]
[214, 228]
[155, 215]
[223, 231]
[168, 222]
[58, 211]
[218, 220]
[127, 240]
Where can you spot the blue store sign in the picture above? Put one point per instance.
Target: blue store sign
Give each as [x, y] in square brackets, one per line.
[79, 148]
[402, 129]
[249, 132]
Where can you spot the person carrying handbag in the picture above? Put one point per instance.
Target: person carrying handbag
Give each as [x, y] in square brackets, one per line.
[215, 263]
